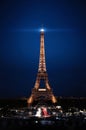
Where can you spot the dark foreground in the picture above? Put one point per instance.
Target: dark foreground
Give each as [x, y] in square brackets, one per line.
[69, 123]
[14, 117]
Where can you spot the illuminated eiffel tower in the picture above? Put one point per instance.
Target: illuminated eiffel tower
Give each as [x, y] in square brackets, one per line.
[39, 92]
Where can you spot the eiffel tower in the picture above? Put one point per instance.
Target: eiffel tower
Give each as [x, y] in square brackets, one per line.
[39, 92]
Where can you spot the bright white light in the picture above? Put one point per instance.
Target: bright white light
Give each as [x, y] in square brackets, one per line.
[42, 30]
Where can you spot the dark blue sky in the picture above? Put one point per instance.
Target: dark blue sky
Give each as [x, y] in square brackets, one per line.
[65, 46]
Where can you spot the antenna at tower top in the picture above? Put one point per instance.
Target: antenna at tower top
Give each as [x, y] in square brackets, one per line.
[42, 29]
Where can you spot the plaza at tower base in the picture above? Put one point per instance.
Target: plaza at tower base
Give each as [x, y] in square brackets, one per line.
[70, 113]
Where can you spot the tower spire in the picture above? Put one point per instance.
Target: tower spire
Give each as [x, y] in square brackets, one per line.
[42, 64]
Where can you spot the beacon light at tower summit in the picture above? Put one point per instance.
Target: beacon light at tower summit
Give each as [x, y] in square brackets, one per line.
[42, 30]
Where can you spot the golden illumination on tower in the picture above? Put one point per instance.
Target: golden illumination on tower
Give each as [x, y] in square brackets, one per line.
[45, 92]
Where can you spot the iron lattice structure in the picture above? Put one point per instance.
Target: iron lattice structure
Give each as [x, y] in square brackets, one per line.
[46, 92]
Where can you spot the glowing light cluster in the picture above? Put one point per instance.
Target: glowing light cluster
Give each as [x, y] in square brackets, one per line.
[42, 30]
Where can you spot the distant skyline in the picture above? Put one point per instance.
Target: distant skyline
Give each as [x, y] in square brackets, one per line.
[64, 22]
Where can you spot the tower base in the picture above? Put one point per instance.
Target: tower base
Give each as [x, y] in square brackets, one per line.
[41, 95]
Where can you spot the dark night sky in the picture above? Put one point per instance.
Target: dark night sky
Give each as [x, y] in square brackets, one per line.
[65, 46]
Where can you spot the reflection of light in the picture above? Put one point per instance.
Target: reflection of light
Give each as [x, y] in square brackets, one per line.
[36, 121]
[58, 107]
